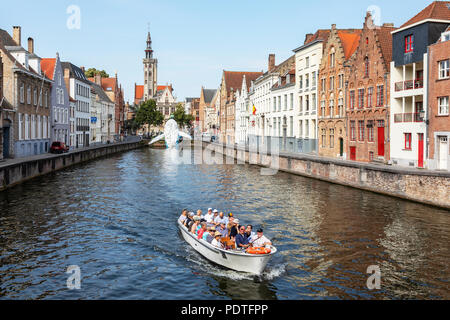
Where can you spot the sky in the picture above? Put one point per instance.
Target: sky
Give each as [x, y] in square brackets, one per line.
[193, 40]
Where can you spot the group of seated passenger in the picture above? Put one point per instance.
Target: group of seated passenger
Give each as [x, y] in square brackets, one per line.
[224, 232]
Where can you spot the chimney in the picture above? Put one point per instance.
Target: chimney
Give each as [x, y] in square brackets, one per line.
[388, 25]
[17, 35]
[67, 79]
[30, 45]
[271, 62]
[98, 78]
[308, 37]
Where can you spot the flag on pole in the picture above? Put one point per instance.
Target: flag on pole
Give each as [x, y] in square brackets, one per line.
[254, 110]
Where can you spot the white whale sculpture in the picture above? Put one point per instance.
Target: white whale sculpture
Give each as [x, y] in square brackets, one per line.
[171, 134]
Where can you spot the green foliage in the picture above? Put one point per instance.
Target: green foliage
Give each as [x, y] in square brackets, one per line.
[91, 72]
[148, 114]
[181, 117]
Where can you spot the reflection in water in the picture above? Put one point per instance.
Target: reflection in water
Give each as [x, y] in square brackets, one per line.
[115, 218]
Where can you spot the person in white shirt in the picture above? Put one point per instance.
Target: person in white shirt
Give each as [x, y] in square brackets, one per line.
[216, 241]
[183, 216]
[260, 240]
[220, 219]
[209, 216]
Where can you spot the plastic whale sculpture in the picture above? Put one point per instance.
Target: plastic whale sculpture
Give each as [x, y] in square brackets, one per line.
[171, 134]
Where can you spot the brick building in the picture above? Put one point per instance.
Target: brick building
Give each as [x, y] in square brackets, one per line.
[231, 81]
[206, 97]
[1, 104]
[334, 71]
[438, 103]
[368, 94]
[26, 104]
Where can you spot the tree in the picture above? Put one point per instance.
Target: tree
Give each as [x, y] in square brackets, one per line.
[181, 117]
[91, 72]
[148, 114]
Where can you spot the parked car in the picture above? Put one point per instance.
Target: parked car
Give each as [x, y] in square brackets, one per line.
[59, 147]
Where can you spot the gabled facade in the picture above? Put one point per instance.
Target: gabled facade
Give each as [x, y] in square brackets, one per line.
[59, 101]
[206, 97]
[103, 113]
[409, 83]
[80, 90]
[368, 94]
[308, 58]
[26, 104]
[438, 103]
[341, 46]
[230, 83]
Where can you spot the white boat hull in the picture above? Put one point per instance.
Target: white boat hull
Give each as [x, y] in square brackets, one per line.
[235, 260]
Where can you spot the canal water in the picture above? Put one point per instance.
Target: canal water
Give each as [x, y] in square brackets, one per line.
[115, 218]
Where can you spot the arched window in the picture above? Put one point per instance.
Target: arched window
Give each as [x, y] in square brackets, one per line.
[332, 57]
[366, 67]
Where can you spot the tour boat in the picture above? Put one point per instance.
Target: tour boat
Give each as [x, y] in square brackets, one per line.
[232, 259]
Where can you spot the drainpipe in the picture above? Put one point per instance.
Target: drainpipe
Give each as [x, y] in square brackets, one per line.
[427, 117]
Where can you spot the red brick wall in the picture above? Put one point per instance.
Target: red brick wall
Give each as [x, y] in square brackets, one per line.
[437, 88]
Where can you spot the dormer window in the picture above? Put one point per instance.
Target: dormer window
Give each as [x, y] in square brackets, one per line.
[445, 36]
[409, 43]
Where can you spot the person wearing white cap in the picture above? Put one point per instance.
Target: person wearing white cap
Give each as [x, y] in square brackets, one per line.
[209, 216]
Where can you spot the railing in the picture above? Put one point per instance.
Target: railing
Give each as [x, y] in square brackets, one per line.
[408, 85]
[408, 117]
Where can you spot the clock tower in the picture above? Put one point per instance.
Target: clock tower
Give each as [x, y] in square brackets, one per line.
[150, 71]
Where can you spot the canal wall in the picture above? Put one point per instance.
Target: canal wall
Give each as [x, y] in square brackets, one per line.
[16, 171]
[424, 186]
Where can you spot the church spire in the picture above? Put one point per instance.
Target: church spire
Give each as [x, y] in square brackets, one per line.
[149, 51]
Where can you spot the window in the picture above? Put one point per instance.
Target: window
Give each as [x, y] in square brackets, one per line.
[380, 96]
[300, 81]
[307, 62]
[300, 129]
[322, 107]
[274, 103]
[285, 102]
[369, 97]
[307, 81]
[324, 86]
[331, 138]
[444, 69]
[352, 100]
[341, 81]
[35, 97]
[332, 58]
[370, 137]
[306, 128]
[22, 93]
[366, 67]
[331, 83]
[341, 106]
[352, 131]
[361, 130]
[21, 126]
[291, 106]
[291, 126]
[324, 138]
[443, 106]
[409, 43]
[331, 106]
[313, 79]
[407, 141]
[300, 104]
[29, 95]
[307, 103]
[313, 104]
[361, 98]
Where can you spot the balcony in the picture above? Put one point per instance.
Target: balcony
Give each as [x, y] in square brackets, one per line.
[408, 117]
[408, 85]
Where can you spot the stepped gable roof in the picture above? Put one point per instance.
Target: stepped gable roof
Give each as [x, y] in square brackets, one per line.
[233, 79]
[439, 10]
[48, 67]
[350, 41]
[385, 40]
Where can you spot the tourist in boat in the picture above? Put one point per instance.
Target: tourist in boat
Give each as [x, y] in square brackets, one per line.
[222, 229]
[209, 236]
[201, 231]
[233, 228]
[215, 215]
[195, 225]
[200, 214]
[220, 219]
[183, 216]
[189, 221]
[241, 239]
[249, 234]
[216, 241]
[209, 216]
[260, 240]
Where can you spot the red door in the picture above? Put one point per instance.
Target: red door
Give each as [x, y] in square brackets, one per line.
[353, 153]
[420, 156]
[381, 141]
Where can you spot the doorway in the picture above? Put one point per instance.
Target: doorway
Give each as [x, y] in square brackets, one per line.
[443, 152]
[420, 150]
[353, 153]
[341, 147]
[6, 134]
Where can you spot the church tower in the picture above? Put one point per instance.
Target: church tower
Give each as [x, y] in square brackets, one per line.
[150, 71]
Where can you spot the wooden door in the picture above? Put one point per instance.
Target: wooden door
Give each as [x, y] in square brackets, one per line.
[381, 141]
[420, 151]
[353, 153]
